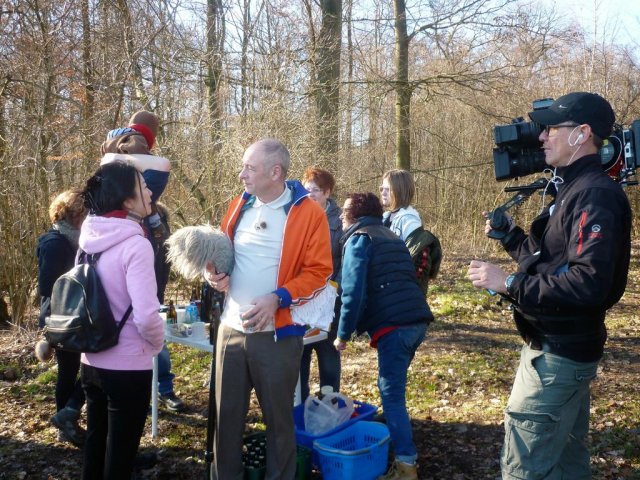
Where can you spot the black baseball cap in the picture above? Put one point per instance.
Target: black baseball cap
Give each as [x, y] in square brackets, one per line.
[580, 107]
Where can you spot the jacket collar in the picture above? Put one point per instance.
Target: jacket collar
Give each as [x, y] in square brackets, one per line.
[360, 223]
[579, 167]
[298, 194]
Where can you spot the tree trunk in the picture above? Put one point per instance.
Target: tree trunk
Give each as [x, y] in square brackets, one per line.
[348, 140]
[3, 124]
[215, 45]
[4, 314]
[244, 77]
[46, 112]
[402, 87]
[88, 142]
[141, 94]
[328, 82]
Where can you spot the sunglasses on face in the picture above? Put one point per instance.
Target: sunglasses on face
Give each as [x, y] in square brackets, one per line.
[548, 129]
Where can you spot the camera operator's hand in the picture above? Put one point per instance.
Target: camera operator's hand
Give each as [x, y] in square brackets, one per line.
[498, 223]
[487, 275]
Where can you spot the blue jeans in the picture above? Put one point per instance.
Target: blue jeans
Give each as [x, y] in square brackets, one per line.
[165, 377]
[396, 350]
[547, 419]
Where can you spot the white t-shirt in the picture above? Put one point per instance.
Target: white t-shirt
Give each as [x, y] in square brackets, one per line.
[257, 247]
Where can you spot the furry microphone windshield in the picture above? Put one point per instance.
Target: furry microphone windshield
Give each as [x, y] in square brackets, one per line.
[192, 248]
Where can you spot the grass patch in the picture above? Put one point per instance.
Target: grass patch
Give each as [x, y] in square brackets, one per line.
[458, 386]
[48, 377]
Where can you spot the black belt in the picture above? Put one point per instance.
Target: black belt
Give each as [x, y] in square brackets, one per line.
[539, 345]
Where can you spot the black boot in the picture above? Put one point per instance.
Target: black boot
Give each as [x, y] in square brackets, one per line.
[66, 420]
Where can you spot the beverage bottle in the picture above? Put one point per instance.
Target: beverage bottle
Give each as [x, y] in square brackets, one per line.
[191, 314]
[216, 311]
[172, 315]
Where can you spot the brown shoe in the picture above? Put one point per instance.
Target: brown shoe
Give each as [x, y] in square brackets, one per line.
[401, 471]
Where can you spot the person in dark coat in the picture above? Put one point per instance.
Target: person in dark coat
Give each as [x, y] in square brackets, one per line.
[572, 268]
[381, 296]
[320, 184]
[56, 254]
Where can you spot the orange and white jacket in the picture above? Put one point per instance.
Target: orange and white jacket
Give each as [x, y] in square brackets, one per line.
[305, 260]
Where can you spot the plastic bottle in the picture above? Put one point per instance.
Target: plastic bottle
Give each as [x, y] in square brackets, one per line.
[322, 412]
[338, 402]
[191, 314]
[325, 390]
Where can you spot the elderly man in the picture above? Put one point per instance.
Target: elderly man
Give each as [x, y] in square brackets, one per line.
[572, 267]
[282, 256]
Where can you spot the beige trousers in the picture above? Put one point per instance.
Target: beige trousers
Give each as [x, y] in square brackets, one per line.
[255, 361]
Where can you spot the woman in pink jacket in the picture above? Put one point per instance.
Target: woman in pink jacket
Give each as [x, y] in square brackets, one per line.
[117, 381]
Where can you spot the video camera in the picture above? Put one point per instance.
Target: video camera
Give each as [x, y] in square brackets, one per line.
[518, 151]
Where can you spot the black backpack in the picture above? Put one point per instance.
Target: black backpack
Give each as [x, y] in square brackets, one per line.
[79, 316]
[426, 253]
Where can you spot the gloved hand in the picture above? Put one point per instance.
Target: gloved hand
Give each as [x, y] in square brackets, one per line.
[498, 224]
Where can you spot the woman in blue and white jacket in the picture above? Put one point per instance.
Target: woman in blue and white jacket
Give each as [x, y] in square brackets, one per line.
[381, 296]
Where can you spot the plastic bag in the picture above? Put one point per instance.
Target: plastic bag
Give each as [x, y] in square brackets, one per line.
[320, 416]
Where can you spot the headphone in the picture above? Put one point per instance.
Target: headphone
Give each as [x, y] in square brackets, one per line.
[580, 137]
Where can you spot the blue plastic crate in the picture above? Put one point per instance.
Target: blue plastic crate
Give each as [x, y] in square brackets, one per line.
[359, 452]
[363, 410]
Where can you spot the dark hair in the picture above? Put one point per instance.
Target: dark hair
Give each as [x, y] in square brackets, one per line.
[321, 177]
[110, 186]
[364, 205]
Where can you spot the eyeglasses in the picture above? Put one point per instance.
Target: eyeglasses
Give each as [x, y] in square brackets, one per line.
[547, 128]
[384, 189]
[314, 190]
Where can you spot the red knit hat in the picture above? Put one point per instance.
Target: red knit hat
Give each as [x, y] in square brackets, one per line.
[146, 123]
[145, 132]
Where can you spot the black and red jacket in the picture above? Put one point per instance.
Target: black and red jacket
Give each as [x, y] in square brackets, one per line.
[573, 264]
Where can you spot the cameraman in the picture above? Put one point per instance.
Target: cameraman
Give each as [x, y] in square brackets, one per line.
[572, 267]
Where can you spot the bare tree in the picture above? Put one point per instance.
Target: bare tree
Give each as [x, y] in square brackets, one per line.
[221, 74]
[327, 92]
[88, 102]
[214, 53]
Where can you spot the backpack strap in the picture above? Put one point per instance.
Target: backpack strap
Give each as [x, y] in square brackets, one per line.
[125, 317]
[84, 257]
[91, 259]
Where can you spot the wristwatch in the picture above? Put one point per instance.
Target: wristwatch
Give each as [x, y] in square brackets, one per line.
[508, 281]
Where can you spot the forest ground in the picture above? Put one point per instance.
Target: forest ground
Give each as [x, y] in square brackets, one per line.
[459, 383]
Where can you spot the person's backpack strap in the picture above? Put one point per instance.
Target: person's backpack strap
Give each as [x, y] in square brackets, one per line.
[92, 259]
[125, 317]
